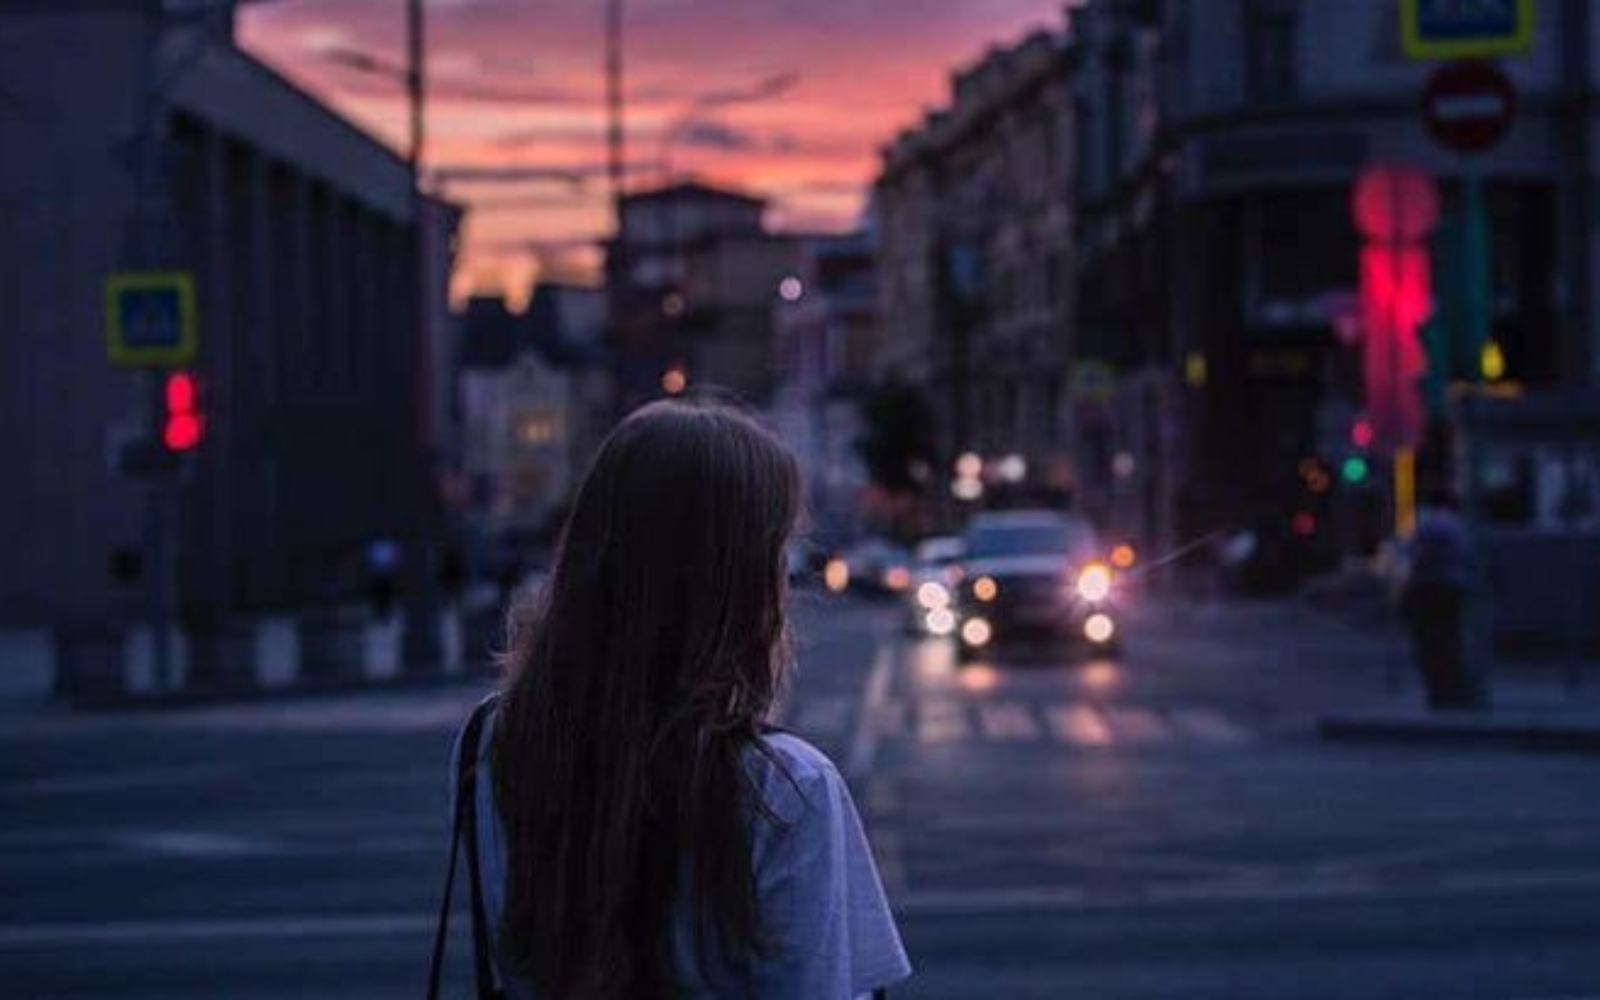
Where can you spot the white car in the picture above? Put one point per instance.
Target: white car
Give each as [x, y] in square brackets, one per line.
[935, 573]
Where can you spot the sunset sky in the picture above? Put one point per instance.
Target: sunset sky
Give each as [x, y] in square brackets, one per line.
[790, 99]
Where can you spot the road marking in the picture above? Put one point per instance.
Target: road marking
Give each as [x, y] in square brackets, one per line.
[864, 742]
[940, 721]
[116, 781]
[1007, 721]
[1079, 725]
[882, 797]
[933, 902]
[886, 848]
[214, 929]
[1072, 897]
[195, 844]
[1138, 725]
[826, 715]
[892, 719]
[1208, 725]
[377, 712]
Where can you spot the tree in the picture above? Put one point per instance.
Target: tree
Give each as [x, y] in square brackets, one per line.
[898, 437]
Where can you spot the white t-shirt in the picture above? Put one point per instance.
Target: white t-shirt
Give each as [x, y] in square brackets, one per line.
[816, 883]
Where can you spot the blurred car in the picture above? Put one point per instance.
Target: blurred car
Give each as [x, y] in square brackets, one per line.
[804, 561]
[879, 566]
[1035, 574]
[935, 573]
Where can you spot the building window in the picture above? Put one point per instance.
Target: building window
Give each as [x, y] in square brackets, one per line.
[537, 428]
[1270, 30]
[1084, 149]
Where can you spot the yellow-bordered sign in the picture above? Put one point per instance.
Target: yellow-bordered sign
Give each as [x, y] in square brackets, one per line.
[150, 319]
[1457, 29]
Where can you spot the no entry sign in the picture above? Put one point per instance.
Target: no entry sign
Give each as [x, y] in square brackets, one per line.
[1468, 106]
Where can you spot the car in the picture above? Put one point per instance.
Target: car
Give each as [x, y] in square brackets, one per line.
[935, 573]
[804, 561]
[1035, 574]
[878, 566]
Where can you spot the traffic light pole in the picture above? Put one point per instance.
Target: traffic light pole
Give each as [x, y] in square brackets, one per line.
[1478, 301]
[149, 246]
[151, 220]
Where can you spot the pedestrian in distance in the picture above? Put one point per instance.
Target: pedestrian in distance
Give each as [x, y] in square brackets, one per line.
[1434, 599]
[641, 831]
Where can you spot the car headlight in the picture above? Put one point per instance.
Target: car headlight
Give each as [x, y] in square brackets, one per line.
[836, 574]
[985, 589]
[976, 632]
[1094, 583]
[1099, 629]
[933, 594]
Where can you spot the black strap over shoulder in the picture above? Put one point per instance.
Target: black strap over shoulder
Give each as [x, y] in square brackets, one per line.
[465, 828]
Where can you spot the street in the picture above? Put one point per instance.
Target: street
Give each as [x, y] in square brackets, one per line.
[1163, 826]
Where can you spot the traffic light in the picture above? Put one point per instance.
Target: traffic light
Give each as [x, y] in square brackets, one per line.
[1355, 470]
[185, 423]
[1362, 434]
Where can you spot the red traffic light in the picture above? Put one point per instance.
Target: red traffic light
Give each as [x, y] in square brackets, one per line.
[183, 396]
[1362, 434]
[183, 432]
[185, 425]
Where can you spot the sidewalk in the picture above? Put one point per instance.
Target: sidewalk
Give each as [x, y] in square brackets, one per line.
[1545, 706]
[1532, 707]
[280, 659]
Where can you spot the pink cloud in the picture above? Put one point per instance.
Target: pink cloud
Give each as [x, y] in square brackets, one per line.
[520, 84]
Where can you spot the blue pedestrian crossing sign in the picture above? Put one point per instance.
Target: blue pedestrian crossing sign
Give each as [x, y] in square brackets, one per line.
[1465, 29]
[150, 319]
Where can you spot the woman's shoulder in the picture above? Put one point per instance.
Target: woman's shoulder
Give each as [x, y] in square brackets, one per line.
[793, 775]
[797, 756]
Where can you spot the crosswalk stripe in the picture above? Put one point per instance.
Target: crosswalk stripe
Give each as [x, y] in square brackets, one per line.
[1209, 725]
[1138, 725]
[941, 722]
[824, 715]
[944, 720]
[890, 719]
[1079, 725]
[1007, 721]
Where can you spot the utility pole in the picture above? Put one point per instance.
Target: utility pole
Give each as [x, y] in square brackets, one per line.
[618, 267]
[1580, 356]
[416, 43]
[616, 152]
[421, 633]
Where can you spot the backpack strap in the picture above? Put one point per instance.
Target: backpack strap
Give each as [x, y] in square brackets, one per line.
[465, 828]
[483, 970]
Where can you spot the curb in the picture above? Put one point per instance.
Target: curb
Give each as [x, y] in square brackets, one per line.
[1525, 733]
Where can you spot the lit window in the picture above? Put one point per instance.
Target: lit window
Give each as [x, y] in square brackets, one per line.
[537, 428]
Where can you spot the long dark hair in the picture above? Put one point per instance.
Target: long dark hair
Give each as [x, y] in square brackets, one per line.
[637, 682]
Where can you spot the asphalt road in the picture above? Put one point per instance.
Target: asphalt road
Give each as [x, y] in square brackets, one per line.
[1164, 826]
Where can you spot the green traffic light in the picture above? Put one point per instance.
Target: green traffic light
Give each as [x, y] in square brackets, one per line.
[1355, 469]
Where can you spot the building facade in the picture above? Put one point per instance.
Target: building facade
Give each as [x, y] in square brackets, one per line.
[826, 329]
[162, 146]
[1218, 147]
[691, 278]
[534, 403]
[976, 260]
